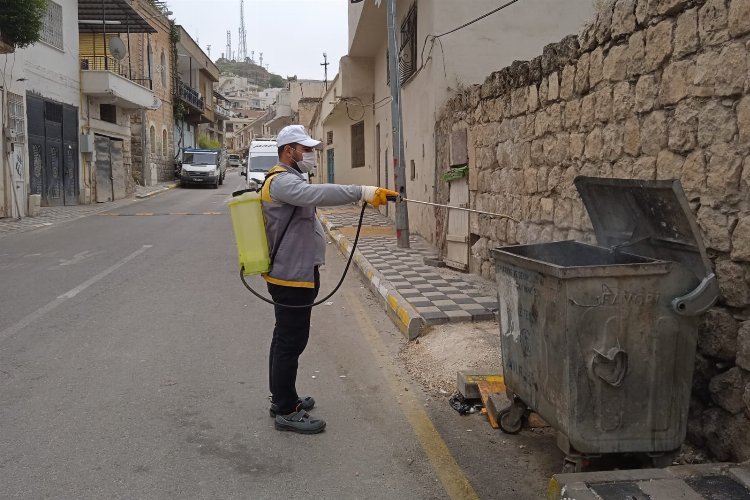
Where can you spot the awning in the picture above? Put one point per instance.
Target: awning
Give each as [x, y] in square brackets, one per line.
[118, 16]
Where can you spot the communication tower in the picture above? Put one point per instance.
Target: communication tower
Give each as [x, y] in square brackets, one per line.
[242, 48]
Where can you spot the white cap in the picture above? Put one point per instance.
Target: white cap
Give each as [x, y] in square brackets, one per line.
[296, 134]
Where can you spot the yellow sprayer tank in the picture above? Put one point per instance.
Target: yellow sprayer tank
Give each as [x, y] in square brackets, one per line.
[250, 233]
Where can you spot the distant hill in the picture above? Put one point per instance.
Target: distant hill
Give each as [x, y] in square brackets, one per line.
[256, 74]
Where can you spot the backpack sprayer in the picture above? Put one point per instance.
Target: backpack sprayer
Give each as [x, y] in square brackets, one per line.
[252, 243]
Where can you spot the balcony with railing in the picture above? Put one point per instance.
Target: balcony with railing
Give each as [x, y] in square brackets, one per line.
[105, 76]
[190, 96]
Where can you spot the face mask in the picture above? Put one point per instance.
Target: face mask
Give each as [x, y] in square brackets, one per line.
[308, 162]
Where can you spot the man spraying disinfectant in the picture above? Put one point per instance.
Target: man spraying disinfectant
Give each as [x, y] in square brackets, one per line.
[297, 247]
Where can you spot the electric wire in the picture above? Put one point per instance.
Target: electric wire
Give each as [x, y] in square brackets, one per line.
[324, 299]
[433, 38]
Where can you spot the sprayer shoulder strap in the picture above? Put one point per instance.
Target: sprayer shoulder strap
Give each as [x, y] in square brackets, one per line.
[281, 236]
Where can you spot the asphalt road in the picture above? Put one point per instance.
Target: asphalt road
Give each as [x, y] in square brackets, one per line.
[133, 364]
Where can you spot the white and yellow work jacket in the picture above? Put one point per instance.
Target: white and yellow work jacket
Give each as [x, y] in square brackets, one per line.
[287, 198]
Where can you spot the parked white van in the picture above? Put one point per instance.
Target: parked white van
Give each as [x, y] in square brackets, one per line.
[261, 157]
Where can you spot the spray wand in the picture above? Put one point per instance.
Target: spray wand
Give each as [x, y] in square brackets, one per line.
[354, 247]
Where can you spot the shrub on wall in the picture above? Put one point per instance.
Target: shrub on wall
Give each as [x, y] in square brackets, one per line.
[206, 142]
[21, 21]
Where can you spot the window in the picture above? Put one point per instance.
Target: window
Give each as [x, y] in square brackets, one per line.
[358, 145]
[408, 50]
[52, 26]
[163, 72]
[108, 113]
[17, 116]
[329, 137]
[152, 139]
[413, 171]
[164, 143]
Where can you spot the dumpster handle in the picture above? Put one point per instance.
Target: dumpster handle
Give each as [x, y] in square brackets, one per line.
[611, 366]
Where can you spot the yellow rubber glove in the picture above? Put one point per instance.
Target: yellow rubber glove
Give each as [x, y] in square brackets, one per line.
[376, 196]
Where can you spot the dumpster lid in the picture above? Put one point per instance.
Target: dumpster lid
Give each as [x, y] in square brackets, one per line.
[648, 218]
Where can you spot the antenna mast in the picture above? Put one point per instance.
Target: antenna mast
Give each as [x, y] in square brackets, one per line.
[229, 45]
[242, 49]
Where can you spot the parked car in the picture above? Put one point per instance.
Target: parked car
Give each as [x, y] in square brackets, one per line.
[203, 166]
[235, 160]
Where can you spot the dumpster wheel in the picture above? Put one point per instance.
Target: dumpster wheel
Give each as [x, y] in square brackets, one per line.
[511, 418]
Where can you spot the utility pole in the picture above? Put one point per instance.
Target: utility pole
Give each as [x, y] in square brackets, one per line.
[399, 169]
[325, 64]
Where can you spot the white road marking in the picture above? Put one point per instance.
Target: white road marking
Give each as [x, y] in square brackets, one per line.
[30, 318]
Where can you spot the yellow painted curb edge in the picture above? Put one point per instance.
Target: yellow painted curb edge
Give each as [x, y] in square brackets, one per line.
[403, 315]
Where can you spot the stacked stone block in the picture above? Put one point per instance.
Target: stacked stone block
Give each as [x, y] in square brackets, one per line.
[649, 89]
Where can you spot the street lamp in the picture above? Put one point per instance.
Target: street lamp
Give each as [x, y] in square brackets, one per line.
[399, 168]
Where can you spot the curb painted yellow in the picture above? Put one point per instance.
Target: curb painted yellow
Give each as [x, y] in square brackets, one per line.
[553, 489]
[451, 476]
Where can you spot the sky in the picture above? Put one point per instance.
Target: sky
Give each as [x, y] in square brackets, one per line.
[292, 34]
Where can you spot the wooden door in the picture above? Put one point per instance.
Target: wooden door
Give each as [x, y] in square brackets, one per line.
[457, 239]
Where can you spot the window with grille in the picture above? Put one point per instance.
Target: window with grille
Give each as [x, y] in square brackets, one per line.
[358, 145]
[108, 113]
[52, 26]
[329, 137]
[17, 116]
[408, 50]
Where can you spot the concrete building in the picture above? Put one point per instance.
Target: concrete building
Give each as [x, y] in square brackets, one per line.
[197, 109]
[40, 117]
[113, 89]
[358, 127]
[152, 146]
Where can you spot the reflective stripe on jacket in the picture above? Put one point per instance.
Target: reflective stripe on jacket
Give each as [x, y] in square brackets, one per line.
[303, 246]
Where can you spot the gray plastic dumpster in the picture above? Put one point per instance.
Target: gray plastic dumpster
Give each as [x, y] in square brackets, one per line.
[600, 340]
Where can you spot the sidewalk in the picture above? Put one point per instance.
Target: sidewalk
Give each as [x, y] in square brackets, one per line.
[688, 482]
[54, 215]
[415, 295]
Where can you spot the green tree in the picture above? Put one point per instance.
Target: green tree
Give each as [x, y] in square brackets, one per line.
[276, 82]
[21, 21]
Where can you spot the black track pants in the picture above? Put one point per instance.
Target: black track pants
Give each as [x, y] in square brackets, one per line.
[289, 341]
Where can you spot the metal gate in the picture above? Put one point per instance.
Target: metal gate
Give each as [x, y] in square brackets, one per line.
[53, 151]
[457, 240]
[330, 166]
[110, 171]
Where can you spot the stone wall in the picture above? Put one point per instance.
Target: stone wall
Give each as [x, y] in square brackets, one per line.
[649, 89]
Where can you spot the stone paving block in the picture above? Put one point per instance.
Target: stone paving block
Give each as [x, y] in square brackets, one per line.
[458, 315]
[427, 309]
[435, 318]
[483, 316]
[444, 302]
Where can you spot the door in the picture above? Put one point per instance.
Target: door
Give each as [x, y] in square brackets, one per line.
[53, 151]
[117, 168]
[53, 193]
[103, 169]
[35, 121]
[457, 239]
[70, 156]
[330, 164]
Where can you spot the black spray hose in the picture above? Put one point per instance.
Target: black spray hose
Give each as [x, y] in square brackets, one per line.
[346, 269]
